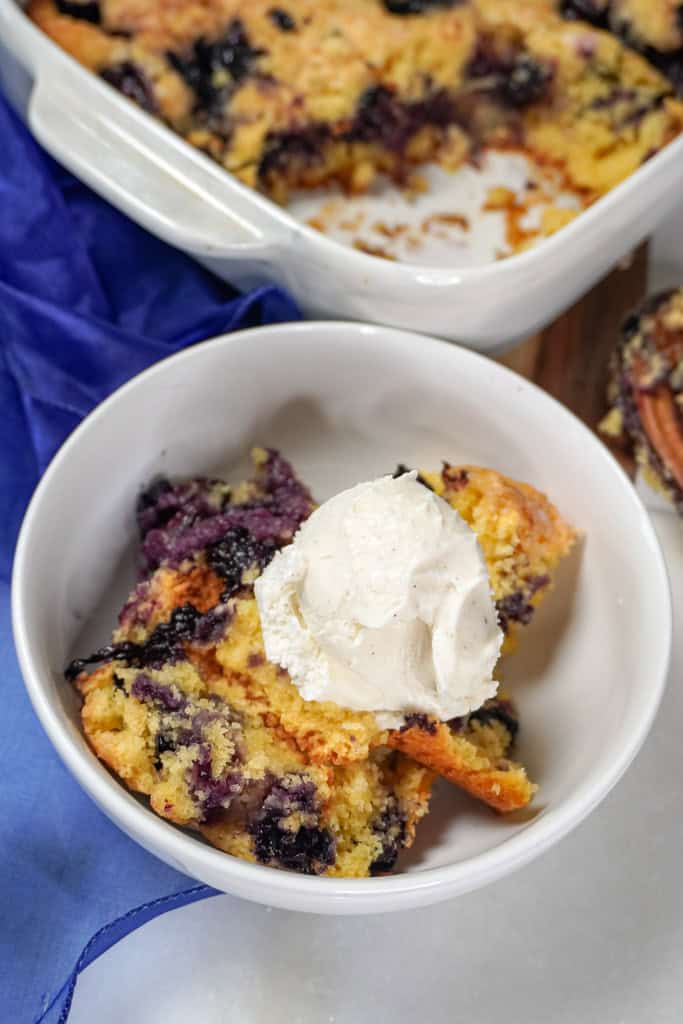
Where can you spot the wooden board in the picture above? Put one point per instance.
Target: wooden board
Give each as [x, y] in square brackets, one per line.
[569, 359]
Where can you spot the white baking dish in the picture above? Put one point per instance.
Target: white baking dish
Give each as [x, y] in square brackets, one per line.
[183, 197]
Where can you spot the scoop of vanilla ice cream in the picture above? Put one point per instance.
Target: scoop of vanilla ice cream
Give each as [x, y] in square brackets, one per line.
[382, 603]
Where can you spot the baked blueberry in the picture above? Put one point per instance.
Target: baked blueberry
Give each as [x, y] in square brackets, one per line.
[131, 80]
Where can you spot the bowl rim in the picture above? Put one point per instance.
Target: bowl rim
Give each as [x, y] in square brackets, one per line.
[288, 889]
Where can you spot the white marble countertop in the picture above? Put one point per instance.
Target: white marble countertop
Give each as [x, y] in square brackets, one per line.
[591, 932]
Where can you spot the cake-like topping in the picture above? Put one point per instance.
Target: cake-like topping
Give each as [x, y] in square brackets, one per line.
[382, 603]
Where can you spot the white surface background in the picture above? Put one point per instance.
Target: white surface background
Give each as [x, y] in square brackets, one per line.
[592, 932]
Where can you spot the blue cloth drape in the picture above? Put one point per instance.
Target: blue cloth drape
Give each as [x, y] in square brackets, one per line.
[87, 299]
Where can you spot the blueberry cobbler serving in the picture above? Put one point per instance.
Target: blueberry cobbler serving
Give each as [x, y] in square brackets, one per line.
[646, 392]
[294, 94]
[249, 689]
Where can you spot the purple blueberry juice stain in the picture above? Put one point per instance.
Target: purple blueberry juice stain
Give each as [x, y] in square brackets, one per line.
[111, 652]
[165, 510]
[185, 724]
[136, 611]
[211, 627]
[166, 644]
[148, 690]
[188, 518]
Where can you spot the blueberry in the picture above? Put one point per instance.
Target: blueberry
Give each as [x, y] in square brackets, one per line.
[178, 521]
[416, 6]
[284, 21]
[670, 65]
[526, 82]
[517, 81]
[155, 505]
[162, 743]
[310, 848]
[498, 710]
[391, 827]
[517, 607]
[129, 79]
[87, 11]
[235, 553]
[302, 147]
[382, 116]
[233, 53]
[593, 11]
[419, 722]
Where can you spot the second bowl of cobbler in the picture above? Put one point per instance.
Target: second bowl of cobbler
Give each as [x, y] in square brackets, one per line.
[143, 648]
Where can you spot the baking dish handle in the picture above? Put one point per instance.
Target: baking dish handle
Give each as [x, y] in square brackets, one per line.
[146, 171]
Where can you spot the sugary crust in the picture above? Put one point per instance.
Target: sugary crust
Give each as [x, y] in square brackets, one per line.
[403, 88]
[650, 26]
[648, 23]
[522, 534]
[501, 784]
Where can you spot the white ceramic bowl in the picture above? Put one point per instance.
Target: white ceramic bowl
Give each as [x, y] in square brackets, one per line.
[180, 195]
[346, 402]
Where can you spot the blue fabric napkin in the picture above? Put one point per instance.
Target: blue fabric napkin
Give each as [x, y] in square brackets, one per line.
[87, 299]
